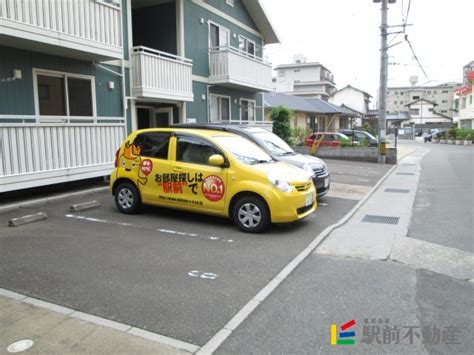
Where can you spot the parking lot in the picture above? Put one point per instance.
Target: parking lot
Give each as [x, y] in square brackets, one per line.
[178, 274]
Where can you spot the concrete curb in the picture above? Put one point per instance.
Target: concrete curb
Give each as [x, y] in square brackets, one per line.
[219, 338]
[84, 206]
[99, 321]
[39, 201]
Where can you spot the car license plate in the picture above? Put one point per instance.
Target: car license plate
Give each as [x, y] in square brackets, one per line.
[326, 182]
[309, 200]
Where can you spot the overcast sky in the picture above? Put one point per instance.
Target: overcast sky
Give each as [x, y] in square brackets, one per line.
[344, 35]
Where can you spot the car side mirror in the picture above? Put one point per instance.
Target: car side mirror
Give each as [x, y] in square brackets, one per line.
[216, 160]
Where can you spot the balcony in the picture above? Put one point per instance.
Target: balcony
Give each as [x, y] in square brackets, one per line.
[230, 67]
[85, 29]
[161, 75]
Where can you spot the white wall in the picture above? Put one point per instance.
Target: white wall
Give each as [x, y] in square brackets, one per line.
[351, 98]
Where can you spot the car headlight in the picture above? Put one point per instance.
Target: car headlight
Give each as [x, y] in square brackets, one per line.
[279, 183]
[308, 169]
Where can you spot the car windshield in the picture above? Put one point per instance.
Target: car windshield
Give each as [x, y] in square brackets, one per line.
[341, 136]
[274, 144]
[244, 150]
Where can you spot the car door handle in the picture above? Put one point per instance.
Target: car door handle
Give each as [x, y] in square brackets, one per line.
[177, 170]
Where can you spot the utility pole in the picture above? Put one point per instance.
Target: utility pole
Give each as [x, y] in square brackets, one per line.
[383, 79]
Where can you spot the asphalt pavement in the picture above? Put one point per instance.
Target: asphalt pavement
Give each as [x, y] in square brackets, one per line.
[177, 274]
[184, 276]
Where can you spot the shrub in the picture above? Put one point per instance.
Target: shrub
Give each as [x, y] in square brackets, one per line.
[368, 128]
[281, 123]
[468, 137]
[452, 133]
[299, 134]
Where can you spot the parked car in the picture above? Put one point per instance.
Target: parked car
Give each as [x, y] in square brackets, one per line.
[418, 132]
[331, 139]
[438, 134]
[361, 136]
[279, 150]
[211, 172]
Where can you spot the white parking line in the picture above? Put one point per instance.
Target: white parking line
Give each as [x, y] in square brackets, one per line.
[164, 231]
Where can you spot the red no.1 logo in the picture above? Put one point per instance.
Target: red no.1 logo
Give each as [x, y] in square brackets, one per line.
[146, 167]
[213, 188]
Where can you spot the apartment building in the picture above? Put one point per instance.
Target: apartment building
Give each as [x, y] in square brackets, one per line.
[311, 80]
[63, 89]
[463, 98]
[441, 95]
[77, 77]
[199, 61]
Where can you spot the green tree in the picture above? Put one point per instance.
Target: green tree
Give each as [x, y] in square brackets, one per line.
[280, 117]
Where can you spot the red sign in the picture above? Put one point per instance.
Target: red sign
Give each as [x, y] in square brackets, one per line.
[470, 75]
[464, 90]
[213, 188]
[146, 167]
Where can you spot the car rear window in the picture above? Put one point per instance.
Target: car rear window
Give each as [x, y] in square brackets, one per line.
[153, 144]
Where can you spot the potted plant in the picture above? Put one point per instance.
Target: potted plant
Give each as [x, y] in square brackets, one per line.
[451, 136]
[442, 139]
[459, 138]
[468, 139]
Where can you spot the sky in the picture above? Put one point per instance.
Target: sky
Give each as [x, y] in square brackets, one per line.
[344, 36]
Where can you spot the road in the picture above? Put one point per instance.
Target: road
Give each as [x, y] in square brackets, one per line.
[185, 276]
[178, 274]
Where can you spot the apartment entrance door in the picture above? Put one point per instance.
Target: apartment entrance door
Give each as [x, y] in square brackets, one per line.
[151, 117]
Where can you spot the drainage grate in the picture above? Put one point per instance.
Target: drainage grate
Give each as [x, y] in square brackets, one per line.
[380, 219]
[406, 174]
[400, 191]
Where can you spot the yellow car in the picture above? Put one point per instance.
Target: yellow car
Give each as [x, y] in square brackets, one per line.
[210, 172]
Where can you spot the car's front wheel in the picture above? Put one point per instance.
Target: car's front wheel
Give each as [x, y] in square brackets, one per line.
[251, 214]
[127, 198]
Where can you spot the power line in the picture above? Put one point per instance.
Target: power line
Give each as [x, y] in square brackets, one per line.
[415, 56]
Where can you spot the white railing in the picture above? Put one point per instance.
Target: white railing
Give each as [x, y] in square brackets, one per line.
[230, 65]
[66, 20]
[31, 148]
[161, 75]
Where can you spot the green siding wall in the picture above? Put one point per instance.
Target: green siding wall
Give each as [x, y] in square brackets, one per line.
[198, 108]
[155, 27]
[238, 12]
[197, 34]
[17, 97]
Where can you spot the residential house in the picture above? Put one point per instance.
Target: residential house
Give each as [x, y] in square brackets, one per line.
[63, 84]
[312, 80]
[77, 77]
[423, 111]
[313, 114]
[199, 61]
[354, 99]
[441, 95]
[463, 97]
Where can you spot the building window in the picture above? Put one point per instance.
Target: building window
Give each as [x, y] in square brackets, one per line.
[414, 111]
[281, 73]
[401, 92]
[395, 102]
[218, 36]
[430, 110]
[444, 101]
[435, 92]
[63, 94]
[463, 102]
[416, 97]
[247, 110]
[396, 92]
[401, 102]
[219, 109]
[247, 46]
[470, 99]
[230, 2]
[445, 91]
[444, 111]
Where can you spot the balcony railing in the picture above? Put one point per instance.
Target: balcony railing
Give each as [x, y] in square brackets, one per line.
[89, 26]
[232, 67]
[161, 75]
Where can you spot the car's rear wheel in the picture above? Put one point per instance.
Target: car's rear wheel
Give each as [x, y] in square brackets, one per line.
[251, 214]
[127, 198]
